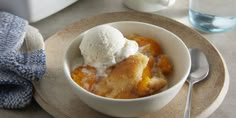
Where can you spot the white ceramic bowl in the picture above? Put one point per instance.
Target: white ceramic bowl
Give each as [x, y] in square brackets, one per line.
[170, 44]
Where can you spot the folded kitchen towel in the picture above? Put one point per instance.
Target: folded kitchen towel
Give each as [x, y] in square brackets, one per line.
[22, 60]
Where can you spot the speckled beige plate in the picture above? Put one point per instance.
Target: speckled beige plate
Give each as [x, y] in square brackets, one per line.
[54, 94]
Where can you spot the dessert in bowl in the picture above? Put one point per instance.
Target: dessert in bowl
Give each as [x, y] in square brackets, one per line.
[127, 68]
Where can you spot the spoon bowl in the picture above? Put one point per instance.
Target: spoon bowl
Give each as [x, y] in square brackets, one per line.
[200, 66]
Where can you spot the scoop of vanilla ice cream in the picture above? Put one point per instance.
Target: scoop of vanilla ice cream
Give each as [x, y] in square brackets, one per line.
[104, 46]
[100, 44]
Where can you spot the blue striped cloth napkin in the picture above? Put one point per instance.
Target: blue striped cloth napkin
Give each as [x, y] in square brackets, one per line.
[18, 67]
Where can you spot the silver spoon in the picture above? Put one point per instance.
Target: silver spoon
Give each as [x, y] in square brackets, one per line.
[199, 71]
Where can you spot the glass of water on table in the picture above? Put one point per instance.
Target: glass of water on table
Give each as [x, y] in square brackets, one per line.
[213, 15]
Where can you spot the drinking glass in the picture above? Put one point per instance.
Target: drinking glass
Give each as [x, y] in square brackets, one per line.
[213, 15]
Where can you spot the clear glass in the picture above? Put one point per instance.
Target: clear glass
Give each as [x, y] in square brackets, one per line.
[213, 15]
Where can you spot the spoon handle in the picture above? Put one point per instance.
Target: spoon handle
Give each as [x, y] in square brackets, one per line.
[188, 104]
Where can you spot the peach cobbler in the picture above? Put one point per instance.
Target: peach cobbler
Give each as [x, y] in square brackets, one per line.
[141, 74]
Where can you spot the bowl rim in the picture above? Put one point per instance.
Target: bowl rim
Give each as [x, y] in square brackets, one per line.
[71, 81]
